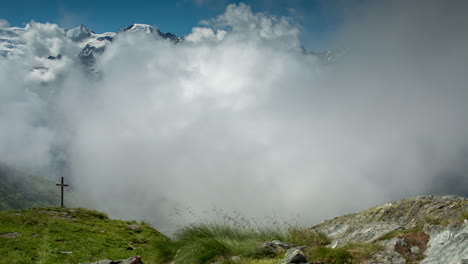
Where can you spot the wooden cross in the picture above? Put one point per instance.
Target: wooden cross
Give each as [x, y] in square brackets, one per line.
[62, 185]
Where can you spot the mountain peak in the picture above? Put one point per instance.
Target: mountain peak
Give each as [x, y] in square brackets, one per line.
[79, 33]
[139, 28]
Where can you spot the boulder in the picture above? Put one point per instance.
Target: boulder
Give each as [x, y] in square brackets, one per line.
[294, 255]
[276, 246]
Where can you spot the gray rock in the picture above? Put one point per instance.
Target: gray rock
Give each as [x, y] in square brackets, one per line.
[134, 227]
[276, 246]
[132, 260]
[388, 255]
[369, 225]
[294, 255]
[447, 244]
[10, 235]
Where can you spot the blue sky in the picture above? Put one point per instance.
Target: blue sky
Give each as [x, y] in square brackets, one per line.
[319, 19]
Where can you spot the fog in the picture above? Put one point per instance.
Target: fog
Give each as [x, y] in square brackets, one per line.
[236, 117]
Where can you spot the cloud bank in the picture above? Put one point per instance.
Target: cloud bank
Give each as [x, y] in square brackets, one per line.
[239, 118]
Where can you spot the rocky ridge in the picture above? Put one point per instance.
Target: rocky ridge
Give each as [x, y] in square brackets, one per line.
[425, 230]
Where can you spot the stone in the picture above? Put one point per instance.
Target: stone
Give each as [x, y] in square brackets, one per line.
[294, 255]
[10, 235]
[131, 260]
[276, 246]
[134, 227]
[447, 244]
[371, 224]
[388, 255]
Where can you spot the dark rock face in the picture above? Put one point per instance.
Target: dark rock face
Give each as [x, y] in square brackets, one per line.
[169, 36]
[106, 38]
[86, 55]
[58, 57]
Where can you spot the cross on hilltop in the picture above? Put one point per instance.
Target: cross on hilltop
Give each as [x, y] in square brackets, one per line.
[62, 185]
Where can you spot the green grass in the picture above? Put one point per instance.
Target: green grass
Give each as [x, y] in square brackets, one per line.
[208, 242]
[400, 232]
[20, 190]
[347, 254]
[463, 216]
[48, 234]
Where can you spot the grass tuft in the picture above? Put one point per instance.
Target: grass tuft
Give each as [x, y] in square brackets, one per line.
[331, 255]
[208, 242]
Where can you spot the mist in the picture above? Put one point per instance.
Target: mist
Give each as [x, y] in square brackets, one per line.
[236, 117]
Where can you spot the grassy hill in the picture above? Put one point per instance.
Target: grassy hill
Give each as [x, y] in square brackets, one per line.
[58, 235]
[19, 190]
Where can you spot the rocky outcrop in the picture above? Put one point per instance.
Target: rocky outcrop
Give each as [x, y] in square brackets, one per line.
[371, 224]
[398, 228]
[447, 244]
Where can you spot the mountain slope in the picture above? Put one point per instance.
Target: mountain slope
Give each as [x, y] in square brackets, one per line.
[19, 190]
[371, 224]
[424, 230]
[56, 235]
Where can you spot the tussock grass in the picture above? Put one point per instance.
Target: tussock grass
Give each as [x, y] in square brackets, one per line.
[400, 232]
[209, 242]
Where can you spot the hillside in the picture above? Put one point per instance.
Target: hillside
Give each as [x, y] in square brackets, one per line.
[424, 230]
[56, 235]
[19, 190]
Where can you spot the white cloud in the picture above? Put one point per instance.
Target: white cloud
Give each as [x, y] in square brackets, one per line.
[239, 118]
[44, 39]
[4, 23]
[205, 34]
[257, 26]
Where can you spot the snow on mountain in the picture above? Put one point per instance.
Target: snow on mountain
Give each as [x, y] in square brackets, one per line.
[139, 28]
[10, 42]
[85, 44]
[79, 33]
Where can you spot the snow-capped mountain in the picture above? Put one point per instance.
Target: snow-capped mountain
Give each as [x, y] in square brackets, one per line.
[49, 45]
[79, 33]
[10, 42]
[87, 44]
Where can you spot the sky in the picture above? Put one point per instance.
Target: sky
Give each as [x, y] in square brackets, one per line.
[237, 118]
[318, 18]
